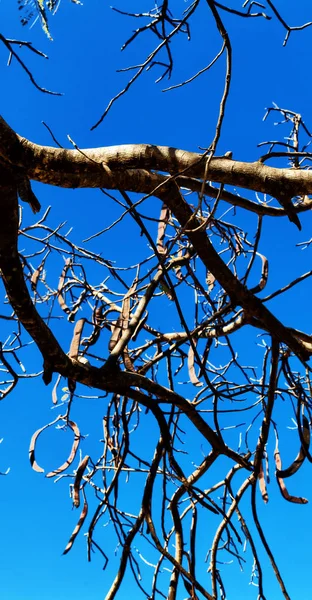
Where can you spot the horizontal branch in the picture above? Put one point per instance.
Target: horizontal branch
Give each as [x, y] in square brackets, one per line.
[95, 167]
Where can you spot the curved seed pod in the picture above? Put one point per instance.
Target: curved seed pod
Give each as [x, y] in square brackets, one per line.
[76, 306]
[74, 347]
[36, 274]
[60, 298]
[262, 484]
[264, 275]
[125, 310]
[54, 391]
[78, 478]
[162, 224]
[34, 279]
[177, 269]
[95, 334]
[73, 452]
[191, 366]
[80, 523]
[98, 314]
[32, 445]
[126, 305]
[281, 484]
[127, 361]
[125, 315]
[295, 466]
[116, 332]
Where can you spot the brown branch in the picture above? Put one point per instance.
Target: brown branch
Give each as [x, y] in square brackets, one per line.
[13, 277]
[102, 167]
[265, 543]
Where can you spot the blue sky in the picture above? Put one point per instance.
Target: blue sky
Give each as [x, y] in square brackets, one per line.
[36, 515]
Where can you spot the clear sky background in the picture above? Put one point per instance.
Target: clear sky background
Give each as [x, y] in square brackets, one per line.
[36, 518]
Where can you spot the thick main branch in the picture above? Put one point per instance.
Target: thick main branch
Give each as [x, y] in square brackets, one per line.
[94, 167]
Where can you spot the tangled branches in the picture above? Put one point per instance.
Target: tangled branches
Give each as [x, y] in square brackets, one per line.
[179, 315]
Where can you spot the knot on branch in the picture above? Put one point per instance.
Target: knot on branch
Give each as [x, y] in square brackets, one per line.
[285, 201]
[24, 190]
